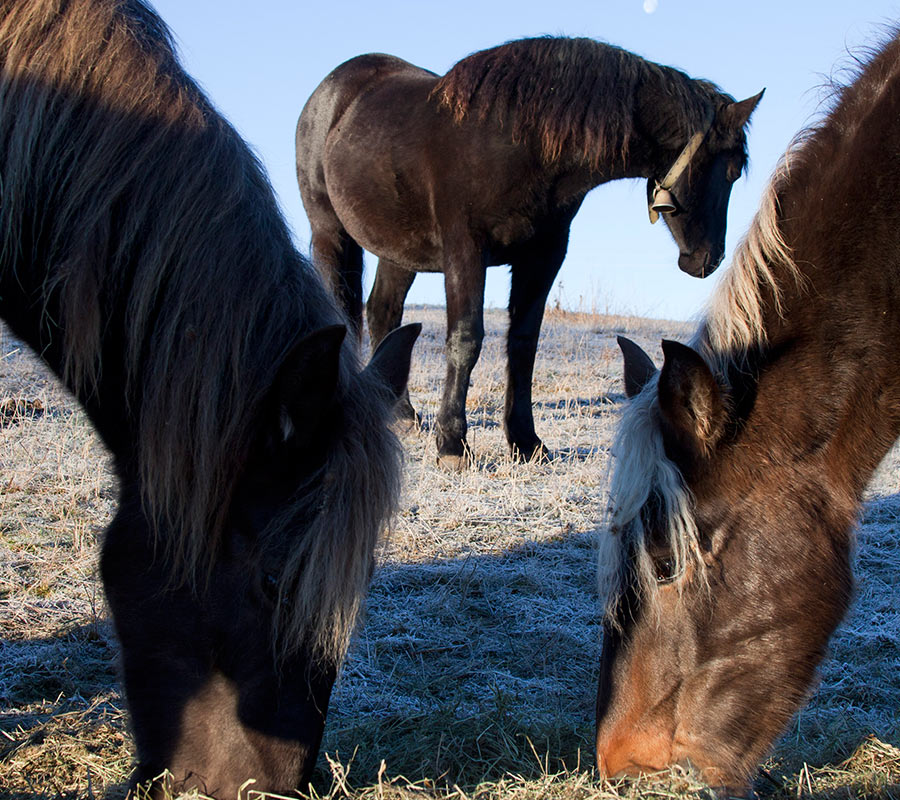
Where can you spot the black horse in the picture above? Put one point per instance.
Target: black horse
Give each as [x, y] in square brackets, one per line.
[488, 165]
[143, 257]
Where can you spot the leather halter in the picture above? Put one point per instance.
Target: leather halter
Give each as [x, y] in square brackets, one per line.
[663, 204]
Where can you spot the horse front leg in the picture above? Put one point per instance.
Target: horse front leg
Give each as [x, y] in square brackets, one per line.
[464, 285]
[531, 279]
[384, 313]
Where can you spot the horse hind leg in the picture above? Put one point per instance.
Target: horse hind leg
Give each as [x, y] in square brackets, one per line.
[339, 260]
[335, 253]
[384, 313]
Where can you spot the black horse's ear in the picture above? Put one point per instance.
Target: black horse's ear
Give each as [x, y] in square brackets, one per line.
[734, 116]
[306, 382]
[639, 367]
[391, 359]
[690, 400]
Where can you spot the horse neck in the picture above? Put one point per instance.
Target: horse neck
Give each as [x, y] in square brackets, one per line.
[828, 391]
[637, 157]
[663, 120]
[643, 147]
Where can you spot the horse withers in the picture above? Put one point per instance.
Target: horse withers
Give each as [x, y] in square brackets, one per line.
[741, 464]
[143, 257]
[488, 165]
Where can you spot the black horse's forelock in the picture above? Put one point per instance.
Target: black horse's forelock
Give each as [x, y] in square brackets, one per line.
[577, 94]
[168, 266]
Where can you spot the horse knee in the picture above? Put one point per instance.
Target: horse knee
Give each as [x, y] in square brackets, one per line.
[464, 344]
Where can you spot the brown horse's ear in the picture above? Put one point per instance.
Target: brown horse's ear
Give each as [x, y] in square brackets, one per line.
[734, 116]
[390, 361]
[639, 367]
[306, 383]
[690, 400]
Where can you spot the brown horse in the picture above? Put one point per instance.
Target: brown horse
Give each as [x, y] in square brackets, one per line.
[488, 165]
[143, 257]
[741, 464]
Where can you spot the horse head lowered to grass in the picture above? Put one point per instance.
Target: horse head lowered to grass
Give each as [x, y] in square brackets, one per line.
[741, 464]
[488, 165]
[143, 257]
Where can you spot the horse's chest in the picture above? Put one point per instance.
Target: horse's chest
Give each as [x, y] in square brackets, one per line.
[511, 230]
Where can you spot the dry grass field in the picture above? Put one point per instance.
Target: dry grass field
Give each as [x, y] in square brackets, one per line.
[473, 675]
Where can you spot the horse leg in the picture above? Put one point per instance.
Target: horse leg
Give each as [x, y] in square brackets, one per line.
[531, 279]
[335, 254]
[339, 260]
[384, 313]
[464, 285]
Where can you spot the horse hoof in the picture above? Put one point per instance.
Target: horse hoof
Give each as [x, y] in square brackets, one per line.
[537, 454]
[452, 463]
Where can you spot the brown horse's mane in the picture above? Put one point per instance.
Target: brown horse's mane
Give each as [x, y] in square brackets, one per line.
[764, 262]
[764, 267]
[172, 289]
[578, 96]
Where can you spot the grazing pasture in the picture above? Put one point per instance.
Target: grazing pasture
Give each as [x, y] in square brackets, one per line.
[475, 670]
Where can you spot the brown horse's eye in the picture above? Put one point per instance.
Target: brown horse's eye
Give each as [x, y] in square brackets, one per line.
[665, 569]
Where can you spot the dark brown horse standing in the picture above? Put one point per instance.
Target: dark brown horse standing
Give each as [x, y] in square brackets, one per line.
[742, 463]
[488, 165]
[143, 257]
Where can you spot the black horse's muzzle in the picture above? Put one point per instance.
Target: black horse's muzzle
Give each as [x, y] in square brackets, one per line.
[702, 262]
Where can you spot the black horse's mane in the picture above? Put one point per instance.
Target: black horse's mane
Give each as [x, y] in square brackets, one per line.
[578, 94]
[145, 231]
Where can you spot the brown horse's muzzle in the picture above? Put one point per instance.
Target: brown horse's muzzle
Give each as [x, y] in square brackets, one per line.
[633, 750]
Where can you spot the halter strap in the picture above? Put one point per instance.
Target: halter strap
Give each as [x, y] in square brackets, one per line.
[681, 163]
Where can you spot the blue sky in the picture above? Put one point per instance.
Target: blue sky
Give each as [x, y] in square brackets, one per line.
[260, 64]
